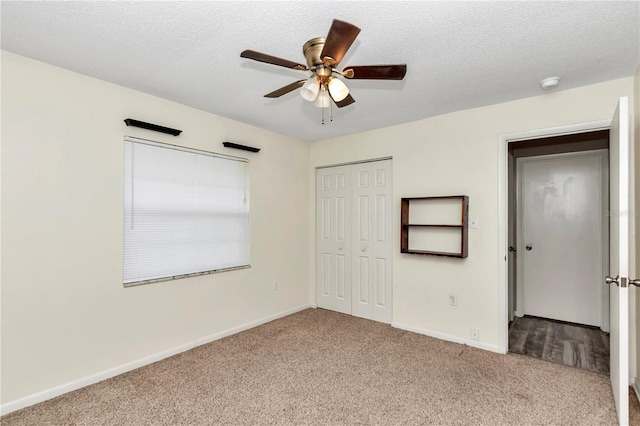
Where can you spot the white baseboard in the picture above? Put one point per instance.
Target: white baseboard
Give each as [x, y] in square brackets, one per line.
[103, 375]
[636, 387]
[448, 337]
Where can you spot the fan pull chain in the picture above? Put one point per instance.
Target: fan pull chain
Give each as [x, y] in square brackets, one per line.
[331, 109]
[322, 115]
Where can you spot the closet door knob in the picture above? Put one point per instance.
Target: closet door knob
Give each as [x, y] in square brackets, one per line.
[363, 249]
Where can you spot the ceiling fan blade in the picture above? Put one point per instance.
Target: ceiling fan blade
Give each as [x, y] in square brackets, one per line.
[268, 59]
[284, 90]
[376, 72]
[346, 101]
[341, 36]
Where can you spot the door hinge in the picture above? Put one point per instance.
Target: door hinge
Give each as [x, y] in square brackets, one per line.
[623, 282]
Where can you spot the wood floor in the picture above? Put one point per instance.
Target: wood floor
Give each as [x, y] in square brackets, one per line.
[569, 344]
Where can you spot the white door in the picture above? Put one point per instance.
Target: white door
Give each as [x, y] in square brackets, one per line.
[371, 241]
[354, 247]
[562, 235]
[333, 216]
[620, 258]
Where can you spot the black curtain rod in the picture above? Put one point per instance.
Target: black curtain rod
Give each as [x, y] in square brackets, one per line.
[242, 147]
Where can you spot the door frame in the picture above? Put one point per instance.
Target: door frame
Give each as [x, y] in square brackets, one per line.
[603, 295]
[503, 209]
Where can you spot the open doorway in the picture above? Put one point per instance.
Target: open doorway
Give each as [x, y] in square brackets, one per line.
[558, 249]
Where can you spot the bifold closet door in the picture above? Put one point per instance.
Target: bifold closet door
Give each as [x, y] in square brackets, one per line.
[333, 220]
[354, 247]
[371, 241]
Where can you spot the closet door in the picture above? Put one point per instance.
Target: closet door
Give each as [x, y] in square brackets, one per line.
[371, 241]
[333, 217]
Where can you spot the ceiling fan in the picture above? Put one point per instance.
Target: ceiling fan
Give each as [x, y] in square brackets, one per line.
[323, 56]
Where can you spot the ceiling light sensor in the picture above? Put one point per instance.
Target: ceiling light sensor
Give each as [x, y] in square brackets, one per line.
[549, 83]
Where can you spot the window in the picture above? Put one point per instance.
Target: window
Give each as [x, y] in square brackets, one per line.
[186, 212]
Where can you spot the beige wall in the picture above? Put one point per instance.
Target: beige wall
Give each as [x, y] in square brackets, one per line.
[65, 313]
[457, 154]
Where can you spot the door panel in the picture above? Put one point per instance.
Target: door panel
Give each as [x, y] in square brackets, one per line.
[325, 217]
[333, 212]
[325, 277]
[361, 243]
[561, 238]
[341, 276]
[363, 280]
[381, 218]
[382, 245]
[373, 218]
[619, 254]
[363, 220]
[380, 283]
[340, 218]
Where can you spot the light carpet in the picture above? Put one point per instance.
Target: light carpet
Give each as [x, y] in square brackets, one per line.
[322, 367]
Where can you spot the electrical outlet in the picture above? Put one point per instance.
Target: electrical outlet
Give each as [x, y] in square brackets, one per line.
[275, 285]
[474, 223]
[453, 300]
[475, 334]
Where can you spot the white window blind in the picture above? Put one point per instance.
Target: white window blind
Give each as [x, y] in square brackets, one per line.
[185, 212]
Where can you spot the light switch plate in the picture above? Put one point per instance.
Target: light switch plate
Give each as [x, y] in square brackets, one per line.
[474, 223]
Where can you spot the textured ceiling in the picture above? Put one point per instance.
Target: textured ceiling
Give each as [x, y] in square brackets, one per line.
[459, 54]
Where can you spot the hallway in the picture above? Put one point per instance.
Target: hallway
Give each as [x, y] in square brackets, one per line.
[563, 343]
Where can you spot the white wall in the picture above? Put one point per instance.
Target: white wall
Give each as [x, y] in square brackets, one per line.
[65, 313]
[457, 154]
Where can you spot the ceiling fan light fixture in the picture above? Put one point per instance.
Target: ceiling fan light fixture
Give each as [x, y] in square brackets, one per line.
[338, 89]
[323, 100]
[310, 89]
[323, 54]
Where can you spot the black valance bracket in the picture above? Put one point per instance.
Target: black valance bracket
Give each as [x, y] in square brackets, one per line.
[150, 126]
[242, 147]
